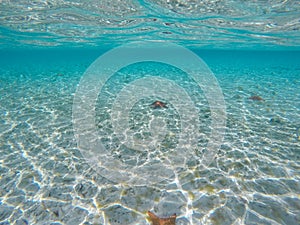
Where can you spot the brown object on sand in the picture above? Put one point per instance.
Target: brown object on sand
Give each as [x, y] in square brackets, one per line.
[256, 98]
[162, 221]
[158, 104]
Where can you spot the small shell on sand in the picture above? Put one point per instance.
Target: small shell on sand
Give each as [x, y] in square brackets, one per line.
[256, 98]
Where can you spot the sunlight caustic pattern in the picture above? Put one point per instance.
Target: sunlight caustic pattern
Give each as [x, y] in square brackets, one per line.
[105, 66]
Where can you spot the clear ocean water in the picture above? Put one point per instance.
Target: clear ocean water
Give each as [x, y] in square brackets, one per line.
[252, 50]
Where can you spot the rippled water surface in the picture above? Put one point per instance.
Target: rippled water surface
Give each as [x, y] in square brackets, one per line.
[204, 23]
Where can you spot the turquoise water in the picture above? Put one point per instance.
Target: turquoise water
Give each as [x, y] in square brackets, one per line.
[254, 178]
[157, 159]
